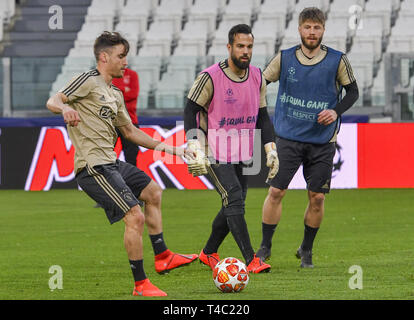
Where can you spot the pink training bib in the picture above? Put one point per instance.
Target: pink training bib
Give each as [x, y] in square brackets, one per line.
[232, 115]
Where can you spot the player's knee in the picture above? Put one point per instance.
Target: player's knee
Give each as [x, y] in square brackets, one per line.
[135, 219]
[156, 195]
[317, 200]
[275, 194]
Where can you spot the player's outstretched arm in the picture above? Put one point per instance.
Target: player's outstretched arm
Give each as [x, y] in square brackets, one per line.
[58, 105]
[139, 137]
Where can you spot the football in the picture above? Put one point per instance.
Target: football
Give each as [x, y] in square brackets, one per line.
[230, 275]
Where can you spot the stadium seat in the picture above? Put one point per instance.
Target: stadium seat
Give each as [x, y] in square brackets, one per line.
[402, 34]
[139, 9]
[220, 39]
[244, 9]
[345, 6]
[148, 69]
[172, 89]
[1, 26]
[370, 38]
[71, 66]
[91, 29]
[336, 34]
[266, 30]
[382, 9]
[406, 7]
[206, 13]
[193, 39]
[378, 88]
[134, 17]
[271, 94]
[173, 10]
[164, 32]
[191, 47]
[7, 9]
[259, 60]
[363, 69]
[105, 11]
[273, 15]
[291, 37]
[155, 48]
[321, 4]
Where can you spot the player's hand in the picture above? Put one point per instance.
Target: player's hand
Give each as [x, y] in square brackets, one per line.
[272, 160]
[70, 116]
[197, 162]
[326, 117]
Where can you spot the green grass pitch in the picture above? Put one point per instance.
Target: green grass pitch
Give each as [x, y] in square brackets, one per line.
[369, 228]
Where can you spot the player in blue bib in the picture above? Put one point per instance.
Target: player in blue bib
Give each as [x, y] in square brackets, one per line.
[306, 121]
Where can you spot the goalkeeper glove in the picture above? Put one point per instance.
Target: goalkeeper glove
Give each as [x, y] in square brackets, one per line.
[272, 160]
[196, 160]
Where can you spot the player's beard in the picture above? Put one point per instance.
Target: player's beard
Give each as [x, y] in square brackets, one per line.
[243, 65]
[308, 45]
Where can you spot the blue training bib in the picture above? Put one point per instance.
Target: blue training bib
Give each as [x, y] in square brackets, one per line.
[304, 91]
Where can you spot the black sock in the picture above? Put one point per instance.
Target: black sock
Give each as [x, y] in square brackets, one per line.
[219, 231]
[137, 267]
[238, 227]
[309, 237]
[158, 244]
[267, 233]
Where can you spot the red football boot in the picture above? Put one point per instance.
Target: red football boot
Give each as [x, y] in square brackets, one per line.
[146, 289]
[257, 266]
[167, 260]
[210, 259]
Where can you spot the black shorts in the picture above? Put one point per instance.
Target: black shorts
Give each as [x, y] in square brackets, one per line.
[317, 161]
[116, 187]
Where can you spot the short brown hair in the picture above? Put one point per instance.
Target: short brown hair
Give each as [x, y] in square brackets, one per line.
[107, 40]
[313, 14]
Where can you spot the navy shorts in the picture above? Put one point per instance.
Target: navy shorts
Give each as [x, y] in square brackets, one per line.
[317, 161]
[115, 186]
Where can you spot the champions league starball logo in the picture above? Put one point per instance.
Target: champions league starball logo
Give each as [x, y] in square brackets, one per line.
[338, 161]
[291, 75]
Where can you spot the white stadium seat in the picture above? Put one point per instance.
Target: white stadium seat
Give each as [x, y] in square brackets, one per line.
[171, 40]
[71, 67]
[378, 88]
[321, 4]
[7, 9]
[345, 6]
[369, 39]
[336, 34]
[1, 26]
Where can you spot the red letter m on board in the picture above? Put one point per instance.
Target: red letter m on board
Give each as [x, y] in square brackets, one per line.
[52, 161]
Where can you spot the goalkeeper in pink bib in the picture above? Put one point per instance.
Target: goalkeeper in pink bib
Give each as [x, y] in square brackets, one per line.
[225, 106]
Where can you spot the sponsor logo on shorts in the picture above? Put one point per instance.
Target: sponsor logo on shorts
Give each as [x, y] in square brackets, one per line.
[326, 185]
[126, 195]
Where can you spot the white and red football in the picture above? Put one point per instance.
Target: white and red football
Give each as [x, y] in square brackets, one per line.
[230, 275]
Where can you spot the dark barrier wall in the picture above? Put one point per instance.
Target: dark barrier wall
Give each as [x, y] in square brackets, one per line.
[368, 156]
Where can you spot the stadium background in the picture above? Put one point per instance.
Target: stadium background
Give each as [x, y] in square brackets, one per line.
[45, 42]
